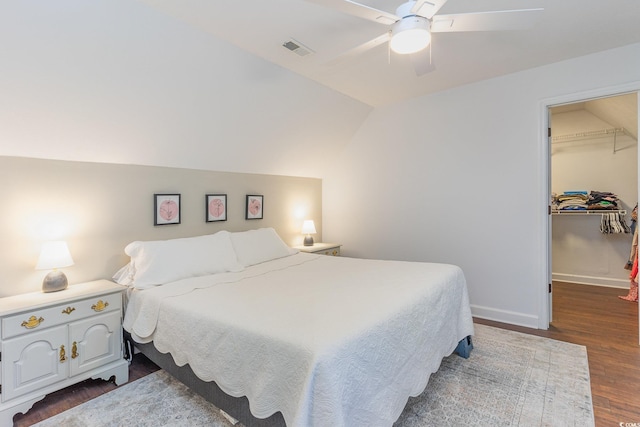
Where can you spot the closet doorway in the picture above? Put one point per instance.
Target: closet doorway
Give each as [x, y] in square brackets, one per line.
[593, 168]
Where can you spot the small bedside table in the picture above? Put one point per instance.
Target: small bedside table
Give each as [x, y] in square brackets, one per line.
[321, 249]
[52, 340]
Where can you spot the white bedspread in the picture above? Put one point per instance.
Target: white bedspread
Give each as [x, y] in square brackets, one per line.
[328, 341]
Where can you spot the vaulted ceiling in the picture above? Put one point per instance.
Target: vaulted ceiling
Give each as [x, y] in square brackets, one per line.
[566, 29]
[619, 111]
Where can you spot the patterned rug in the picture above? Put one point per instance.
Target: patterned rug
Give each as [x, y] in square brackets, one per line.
[511, 379]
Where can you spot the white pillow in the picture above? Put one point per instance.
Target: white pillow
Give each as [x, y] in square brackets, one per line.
[163, 261]
[125, 275]
[256, 246]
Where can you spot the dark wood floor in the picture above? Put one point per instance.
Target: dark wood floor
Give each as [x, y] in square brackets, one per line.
[588, 315]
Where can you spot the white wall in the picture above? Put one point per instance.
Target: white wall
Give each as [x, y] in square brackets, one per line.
[581, 253]
[116, 81]
[458, 177]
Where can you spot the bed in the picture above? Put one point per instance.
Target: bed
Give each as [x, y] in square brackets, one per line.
[276, 337]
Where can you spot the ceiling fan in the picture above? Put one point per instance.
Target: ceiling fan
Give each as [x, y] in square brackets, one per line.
[409, 29]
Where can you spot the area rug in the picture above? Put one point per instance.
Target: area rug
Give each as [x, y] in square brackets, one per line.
[511, 379]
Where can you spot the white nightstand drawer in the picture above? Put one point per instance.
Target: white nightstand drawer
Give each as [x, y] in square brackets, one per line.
[92, 306]
[321, 249]
[30, 321]
[332, 251]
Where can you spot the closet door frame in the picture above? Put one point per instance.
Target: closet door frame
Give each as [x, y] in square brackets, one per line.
[545, 312]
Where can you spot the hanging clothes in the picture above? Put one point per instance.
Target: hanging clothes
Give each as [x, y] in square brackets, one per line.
[633, 277]
[613, 223]
[634, 242]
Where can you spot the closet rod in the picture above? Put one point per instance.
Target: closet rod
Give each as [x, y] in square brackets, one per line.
[587, 134]
[590, 134]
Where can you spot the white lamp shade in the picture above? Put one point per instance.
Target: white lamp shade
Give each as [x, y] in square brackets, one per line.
[54, 255]
[308, 227]
[410, 35]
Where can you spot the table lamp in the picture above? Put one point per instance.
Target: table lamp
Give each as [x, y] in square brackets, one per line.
[54, 255]
[308, 228]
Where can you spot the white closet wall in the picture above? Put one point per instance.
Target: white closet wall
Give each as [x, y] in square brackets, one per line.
[581, 253]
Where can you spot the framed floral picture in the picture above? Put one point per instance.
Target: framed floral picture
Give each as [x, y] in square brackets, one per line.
[166, 209]
[255, 207]
[216, 207]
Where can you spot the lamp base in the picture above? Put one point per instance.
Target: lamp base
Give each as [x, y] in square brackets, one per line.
[54, 281]
[308, 241]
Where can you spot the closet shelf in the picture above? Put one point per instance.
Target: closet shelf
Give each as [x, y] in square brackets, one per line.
[567, 212]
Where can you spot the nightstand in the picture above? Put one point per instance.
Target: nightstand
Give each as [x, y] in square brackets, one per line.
[321, 248]
[52, 340]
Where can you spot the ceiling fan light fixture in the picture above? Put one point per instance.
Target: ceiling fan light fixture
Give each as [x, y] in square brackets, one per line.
[410, 34]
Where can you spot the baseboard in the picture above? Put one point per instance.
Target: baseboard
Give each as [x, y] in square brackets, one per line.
[505, 316]
[591, 280]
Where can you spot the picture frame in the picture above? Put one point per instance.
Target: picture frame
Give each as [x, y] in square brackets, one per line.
[215, 207]
[166, 209]
[254, 206]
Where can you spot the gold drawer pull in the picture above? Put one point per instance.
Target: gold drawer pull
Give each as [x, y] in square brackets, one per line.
[74, 350]
[68, 310]
[63, 354]
[99, 306]
[33, 322]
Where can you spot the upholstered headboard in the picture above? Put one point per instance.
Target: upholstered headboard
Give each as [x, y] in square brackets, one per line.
[99, 208]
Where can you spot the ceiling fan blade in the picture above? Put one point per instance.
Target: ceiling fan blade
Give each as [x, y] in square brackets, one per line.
[427, 8]
[359, 10]
[422, 62]
[382, 39]
[486, 21]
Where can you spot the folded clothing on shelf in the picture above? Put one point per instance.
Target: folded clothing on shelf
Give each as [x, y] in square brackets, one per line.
[585, 200]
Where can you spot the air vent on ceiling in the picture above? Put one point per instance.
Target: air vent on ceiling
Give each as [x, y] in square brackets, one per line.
[297, 47]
